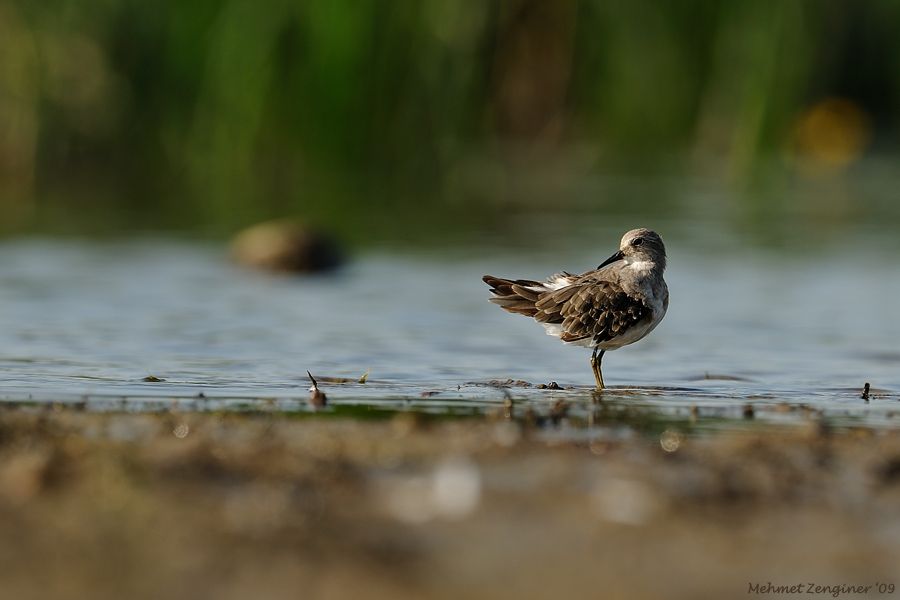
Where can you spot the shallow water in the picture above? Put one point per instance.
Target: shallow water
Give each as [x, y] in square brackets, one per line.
[796, 334]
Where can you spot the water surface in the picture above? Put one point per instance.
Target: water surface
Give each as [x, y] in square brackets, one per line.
[791, 333]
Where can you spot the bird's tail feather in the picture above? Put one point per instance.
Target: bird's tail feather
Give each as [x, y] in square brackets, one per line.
[514, 295]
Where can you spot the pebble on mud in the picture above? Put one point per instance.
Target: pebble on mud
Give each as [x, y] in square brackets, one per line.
[549, 386]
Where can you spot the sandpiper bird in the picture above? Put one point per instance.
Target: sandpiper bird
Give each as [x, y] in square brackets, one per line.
[612, 306]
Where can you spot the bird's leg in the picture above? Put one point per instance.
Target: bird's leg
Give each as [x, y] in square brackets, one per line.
[599, 371]
[595, 367]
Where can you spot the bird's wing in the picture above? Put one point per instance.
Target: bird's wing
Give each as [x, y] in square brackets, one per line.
[598, 310]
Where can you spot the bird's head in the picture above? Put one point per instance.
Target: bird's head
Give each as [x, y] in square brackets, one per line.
[640, 246]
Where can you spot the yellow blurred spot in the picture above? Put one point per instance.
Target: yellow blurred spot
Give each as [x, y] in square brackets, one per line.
[829, 136]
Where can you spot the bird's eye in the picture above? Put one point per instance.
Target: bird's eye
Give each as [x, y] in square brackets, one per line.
[637, 241]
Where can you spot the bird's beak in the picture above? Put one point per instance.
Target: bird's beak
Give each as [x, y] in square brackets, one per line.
[617, 256]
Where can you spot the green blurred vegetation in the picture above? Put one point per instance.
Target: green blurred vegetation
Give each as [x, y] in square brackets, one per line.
[365, 115]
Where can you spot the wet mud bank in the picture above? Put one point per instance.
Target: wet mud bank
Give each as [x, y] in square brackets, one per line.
[188, 505]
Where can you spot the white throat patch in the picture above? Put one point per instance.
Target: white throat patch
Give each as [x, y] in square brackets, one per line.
[640, 265]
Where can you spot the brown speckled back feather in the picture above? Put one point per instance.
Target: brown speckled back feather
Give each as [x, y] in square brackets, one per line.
[597, 310]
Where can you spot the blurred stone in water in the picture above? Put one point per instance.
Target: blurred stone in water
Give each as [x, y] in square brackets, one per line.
[287, 246]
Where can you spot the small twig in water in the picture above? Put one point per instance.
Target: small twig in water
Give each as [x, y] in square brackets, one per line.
[316, 396]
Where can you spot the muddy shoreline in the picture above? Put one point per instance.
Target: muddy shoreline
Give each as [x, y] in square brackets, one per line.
[188, 505]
